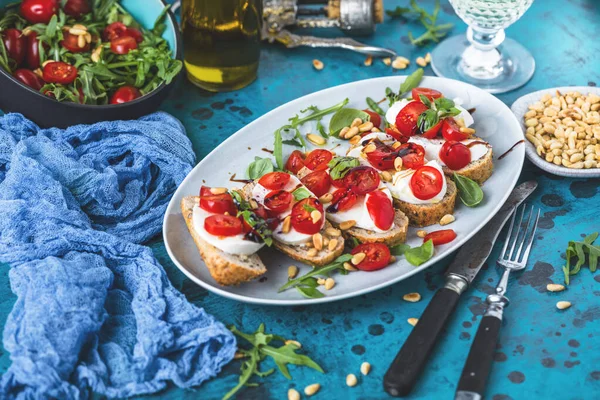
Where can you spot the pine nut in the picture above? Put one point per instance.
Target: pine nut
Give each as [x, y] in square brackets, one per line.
[421, 62]
[38, 72]
[447, 219]
[238, 355]
[318, 64]
[332, 244]
[398, 63]
[292, 271]
[530, 114]
[347, 224]
[333, 232]
[312, 252]
[317, 240]
[77, 31]
[293, 394]
[218, 190]
[392, 259]
[354, 141]
[343, 132]
[96, 54]
[555, 287]
[398, 163]
[531, 122]
[349, 267]
[412, 297]
[421, 233]
[365, 368]
[469, 131]
[387, 61]
[312, 389]
[325, 241]
[563, 305]
[412, 321]
[428, 58]
[366, 126]
[329, 283]
[368, 61]
[386, 176]
[315, 215]
[351, 380]
[356, 122]
[396, 145]
[81, 42]
[351, 132]
[326, 198]
[369, 148]
[287, 224]
[316, 139]
[294, 343]
[403, 59]
[253, 204]
[80, 26]
[321, 281]
[358, 258]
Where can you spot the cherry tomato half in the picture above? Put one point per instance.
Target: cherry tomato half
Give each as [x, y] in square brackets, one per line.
[32, 53]
[451, 130]
[125, 94]
[278, 201]
[440, 237]
[395, 133]
[223, 225]
[76, 8]
[295, 162]
[317, 182]
[123, 45]
[136, 34]
[455, 155]
[426, 183]
[59, 72]
[374, 118]
[343, 200]
[71, 43]
[274, 180]
[412, 154]
[380, 209]
[362, 180]
[218, 203]
[406, 121]
[382, 157]
[431, 94]
[301, 218]
[432, 132]
[15, 44]
[114, 30]
[318, 159]
[39, 11]
[377, 256]
[29, 78]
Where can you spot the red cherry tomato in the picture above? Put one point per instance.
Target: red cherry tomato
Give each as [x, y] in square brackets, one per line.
[114, 30]
[382, 157]
[76, 8]
[39, 11]
[15, 43]
[301, 218]
[343, 199]
[278, 201]
[362, 180]
[217, 203]
[374, 118]
[432, 132]
[431, 94]
[318, 159]
[136, 34]
[205, 191]
[29, 78]
[223, 225]
[406, 121]
[125, 94]
[32, 54]
[455, 155]
[317, 182]
[412, 154]
[295, 162]
[71, 43]
[271, 220]
[426, 183]
[440, 237]
[451, 130]
[274, 180]
[380, 209]
[59, 72]
[123, 45]
[395, 133]
[377, 256]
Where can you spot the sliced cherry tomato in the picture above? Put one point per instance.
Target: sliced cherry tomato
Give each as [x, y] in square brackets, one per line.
[431, 94]
[382, 157]
[380, 209]
[406, 121]
[455, 155]
[15, 43]
[71, 43]
[412, 154]
[271, 219]
[301, 218]
[136, 34]
[123, 45]
[343, 200]
[295, 162]
[114, 30]
[440, 237]
[426, 183]
[317, 182]
[278, 201]
[223, 225]
[125, 94]
[217, 203]
[362, 180]
[59, 72]
[432, 132]
[76, 8]
[374, 118]
[377, 256]
[29, 78]
[205, 191]
[274, 180]
[318, 159]
[451, 130]
[32, 54]
[395, 133]
[39, 11]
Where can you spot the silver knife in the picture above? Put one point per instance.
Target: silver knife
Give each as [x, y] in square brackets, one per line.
[404, 371]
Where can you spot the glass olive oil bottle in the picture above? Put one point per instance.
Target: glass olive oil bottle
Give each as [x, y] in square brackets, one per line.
[221, 41]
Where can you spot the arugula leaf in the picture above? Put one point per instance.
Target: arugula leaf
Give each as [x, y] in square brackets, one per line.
[292, 142]
[259, 225]
[399, 249]
[344, 117]
[374, 106]
[340, 166]
[278, 148]
[309, 292]
[469, 191]
[301, 193]
[579, 250]
[336, 265]
[316, 114]
[418, 255]
[321, 130]
[249, 368]
[259, 167]
[287, 355]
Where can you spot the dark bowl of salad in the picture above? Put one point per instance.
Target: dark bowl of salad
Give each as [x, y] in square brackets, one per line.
[68, 62]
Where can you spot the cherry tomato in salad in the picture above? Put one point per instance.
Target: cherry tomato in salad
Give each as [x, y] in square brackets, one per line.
[125, 94]
[32, 53]
[318, 159]
[343, 200]
[16, 44]
[136, 34]
[426, 182]
[374, 118]
[317, 182]
[205, 191]
[362, 180]
[440, 237]
[406, 120]
[381, 210]
[278, 201]
[295, 162]
[39, 11]
[432, 132]
[382, 157]
[451, 130]
[59, 72]
[431, 94]
[114, 30]
[455, 155]
[395, 133]
[274, 180]
[29, 78]
[377, 256]
[71, 43]
[218, 204]
[412, 154]
[302, 220]
[123, 45]
[76, 8]
[223, 225]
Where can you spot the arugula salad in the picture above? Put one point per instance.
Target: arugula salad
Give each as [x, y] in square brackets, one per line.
[84, 51]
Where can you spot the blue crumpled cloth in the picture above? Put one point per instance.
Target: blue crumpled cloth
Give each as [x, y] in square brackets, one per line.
[95, 310]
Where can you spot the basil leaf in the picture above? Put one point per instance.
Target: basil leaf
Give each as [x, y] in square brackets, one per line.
[344, 118]
[468, 190]
[411, 82]
[425, 100]
[418, 255]
[427, 120]
[301, 193]
[399, 249]
[339, 166]
[443, 103]
[259, 167]
[309, 292]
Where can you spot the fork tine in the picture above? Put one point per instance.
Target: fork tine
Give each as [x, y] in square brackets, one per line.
[512, 248]
[528, 248]
[523, 239]
[510, 228]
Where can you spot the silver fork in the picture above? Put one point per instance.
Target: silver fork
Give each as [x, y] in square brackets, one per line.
[471, 385]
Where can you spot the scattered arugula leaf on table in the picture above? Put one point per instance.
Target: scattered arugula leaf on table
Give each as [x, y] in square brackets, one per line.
[469, 191]
[433, 31]
[579, 250]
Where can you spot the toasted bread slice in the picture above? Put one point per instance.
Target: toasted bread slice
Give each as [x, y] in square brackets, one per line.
[394, 236]
[429, 214]
[478, 170]
[227, 269]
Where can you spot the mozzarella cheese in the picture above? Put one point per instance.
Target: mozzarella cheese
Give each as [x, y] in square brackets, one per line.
[237, 244]
[400, 186]
[395, 108]
[433, 146]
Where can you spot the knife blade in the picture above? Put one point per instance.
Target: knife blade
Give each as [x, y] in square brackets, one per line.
[404, 371]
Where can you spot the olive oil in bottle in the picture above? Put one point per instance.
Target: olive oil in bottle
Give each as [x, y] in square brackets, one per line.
[221, 41]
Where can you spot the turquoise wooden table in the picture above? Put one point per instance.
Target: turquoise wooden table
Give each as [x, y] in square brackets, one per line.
[543, 352]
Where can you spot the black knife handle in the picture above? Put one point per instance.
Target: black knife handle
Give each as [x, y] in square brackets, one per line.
[479, 361]
[402, 375]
